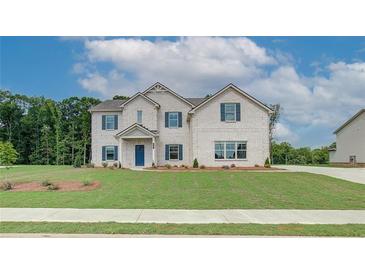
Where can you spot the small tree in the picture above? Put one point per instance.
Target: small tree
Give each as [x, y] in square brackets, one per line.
[8, 154]
[195, 163]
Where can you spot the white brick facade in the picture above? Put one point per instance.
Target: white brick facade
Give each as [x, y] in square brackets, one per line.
[201, 127]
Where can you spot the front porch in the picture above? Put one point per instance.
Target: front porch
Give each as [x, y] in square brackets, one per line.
[137, 147]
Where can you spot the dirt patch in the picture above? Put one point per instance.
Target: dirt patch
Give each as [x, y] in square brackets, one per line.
[62, 186]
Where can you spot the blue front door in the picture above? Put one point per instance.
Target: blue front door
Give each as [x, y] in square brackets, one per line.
[139, 155]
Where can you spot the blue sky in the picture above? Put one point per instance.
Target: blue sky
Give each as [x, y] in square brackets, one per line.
[319, 81]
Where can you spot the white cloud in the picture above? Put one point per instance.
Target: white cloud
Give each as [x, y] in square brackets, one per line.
[196, 66]
[284, 133]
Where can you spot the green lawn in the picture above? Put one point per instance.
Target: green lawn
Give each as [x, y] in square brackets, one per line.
[181, 229]
[188, 190]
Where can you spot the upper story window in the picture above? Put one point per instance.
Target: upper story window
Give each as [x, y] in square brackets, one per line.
[230, 112]
[230, 150]
[173, 119]
[139, 116]
[110, 122]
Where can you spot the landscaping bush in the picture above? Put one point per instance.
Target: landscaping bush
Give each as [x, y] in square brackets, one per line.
[154, 165]
[182, 166]
[195, 163]
[46, 182]
[175, 166]
[267, 163]
[90, 165]
[7, 186]
[116, 164]
[256, 165]
[52, 187]
[86, 183]
[186, 167]
[168, 166]
[233, 165]
[77, 161]
[202, 166]
[104, 164]
[225, 167]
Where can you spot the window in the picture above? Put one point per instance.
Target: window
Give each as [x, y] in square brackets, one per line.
[230, 112]
[230, 150]
[109, 153]
[174, 152]
[109, 122]
[139, 116]
[173, 119]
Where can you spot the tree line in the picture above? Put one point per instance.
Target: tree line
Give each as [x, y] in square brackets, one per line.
[45, 131]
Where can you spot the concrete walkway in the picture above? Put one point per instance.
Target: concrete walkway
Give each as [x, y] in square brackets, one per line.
[356, 175]
[181, 216]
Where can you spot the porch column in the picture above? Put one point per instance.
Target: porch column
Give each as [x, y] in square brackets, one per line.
[120, 151]
[153, 150]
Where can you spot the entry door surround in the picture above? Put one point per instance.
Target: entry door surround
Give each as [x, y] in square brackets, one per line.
[139, 155]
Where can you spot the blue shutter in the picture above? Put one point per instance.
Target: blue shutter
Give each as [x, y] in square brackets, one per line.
[103, 122]
[238, 112]
[116, 153]
[180, 119]
[103, 153]
[223, 117]
[166, 119]
[181, 152]
[115, 121]
[167, 154]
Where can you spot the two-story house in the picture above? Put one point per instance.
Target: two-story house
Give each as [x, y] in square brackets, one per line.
[159, 126]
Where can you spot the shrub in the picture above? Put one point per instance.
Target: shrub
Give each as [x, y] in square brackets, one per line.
[267, 163]
[233, 165]
[90, 165]
[52, 187]
[77, 161]
[86, 183]
[256, 165]
[46, 182]
[202, 166]
[186, 167]
[168, 166]
[104, 164]
[182, 166]
[7, 186]
[154, 165]
[116, 164]
[225, 167]
[195, 163]
[175, 166]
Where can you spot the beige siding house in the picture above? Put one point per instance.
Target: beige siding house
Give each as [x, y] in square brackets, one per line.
[350, 141]
[159, 126]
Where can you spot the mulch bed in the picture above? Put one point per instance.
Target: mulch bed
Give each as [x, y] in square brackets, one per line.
[163, 168]
[62, 186]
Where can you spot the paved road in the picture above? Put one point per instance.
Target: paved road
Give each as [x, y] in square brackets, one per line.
[181, 216]
[356, 175]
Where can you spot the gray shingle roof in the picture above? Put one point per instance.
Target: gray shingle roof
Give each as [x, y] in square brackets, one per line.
[108, 105]
[196, 101]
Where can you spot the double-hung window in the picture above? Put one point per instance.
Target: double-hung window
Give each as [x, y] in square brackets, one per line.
[173, 120]
[174, 152]
[109, 122]
[139, 116]
[230, 150]
[230, 112]
[109, 153]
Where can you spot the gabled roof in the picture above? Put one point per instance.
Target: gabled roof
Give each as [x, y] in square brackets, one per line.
[159, 86]
[236, 89]
[108, 105]
[349, 121]
[140, 127]
[138, 94]
[196, 101]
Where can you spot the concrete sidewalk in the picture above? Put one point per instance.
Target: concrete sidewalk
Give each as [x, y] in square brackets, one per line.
[356, 175]
[182, 216]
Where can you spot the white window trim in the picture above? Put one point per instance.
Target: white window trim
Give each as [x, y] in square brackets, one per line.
[139, 122]
[177, 119]
[106, 122]
[178, 152]
[106, 153]
[234, 113]
[236, 150]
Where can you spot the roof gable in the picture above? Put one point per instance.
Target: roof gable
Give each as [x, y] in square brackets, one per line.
[158, 87]
[136, 130]
[349, 120]
[238, 90]
[138, 94]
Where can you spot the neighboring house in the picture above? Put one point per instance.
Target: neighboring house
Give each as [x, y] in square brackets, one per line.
[350, 141]
[160, 126]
